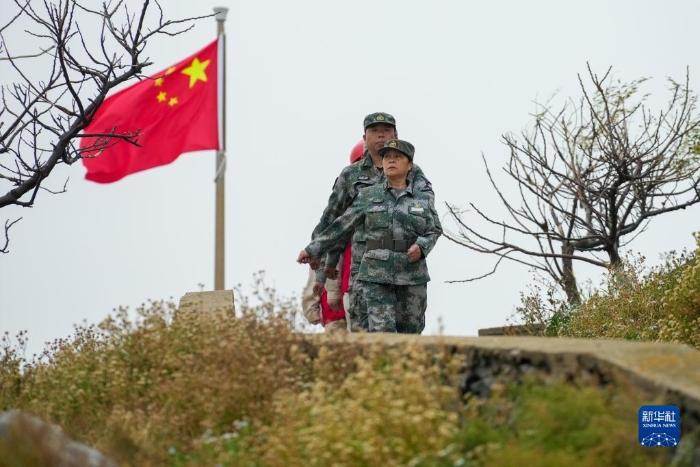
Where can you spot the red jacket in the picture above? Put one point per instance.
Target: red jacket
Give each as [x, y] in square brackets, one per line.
[328, 314]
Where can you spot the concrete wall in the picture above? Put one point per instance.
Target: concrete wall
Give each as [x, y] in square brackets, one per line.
[669, 373]
[665, 373]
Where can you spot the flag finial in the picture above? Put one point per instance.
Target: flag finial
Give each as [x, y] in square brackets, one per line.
[220, 13]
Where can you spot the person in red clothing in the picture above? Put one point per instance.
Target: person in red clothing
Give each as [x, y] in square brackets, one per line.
[327, 305]
[318, 310]
[345, 275]
[355, 155]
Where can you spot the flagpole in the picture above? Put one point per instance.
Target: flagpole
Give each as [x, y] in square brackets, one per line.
[219, 235]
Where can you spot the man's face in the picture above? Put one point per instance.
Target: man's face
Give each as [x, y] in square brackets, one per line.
[376, 135]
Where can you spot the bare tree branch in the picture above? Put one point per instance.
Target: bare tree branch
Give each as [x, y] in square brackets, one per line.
[8, 226]
[42, 119]
[472, 279]
[588, 176]
[38, 54]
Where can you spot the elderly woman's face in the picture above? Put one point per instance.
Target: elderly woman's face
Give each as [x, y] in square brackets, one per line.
[396, 164]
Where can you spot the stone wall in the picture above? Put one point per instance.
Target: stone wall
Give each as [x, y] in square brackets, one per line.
[669, 373]
[665, 373]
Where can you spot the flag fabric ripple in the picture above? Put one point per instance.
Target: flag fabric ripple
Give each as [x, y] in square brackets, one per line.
[174, 111]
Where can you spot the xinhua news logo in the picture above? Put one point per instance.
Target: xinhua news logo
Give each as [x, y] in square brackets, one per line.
[659, 425]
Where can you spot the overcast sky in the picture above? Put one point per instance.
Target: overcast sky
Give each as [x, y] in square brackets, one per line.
[301, 77]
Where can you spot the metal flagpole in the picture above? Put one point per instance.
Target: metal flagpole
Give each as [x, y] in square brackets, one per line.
[219, 238]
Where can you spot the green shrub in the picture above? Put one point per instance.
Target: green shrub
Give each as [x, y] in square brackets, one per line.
[394, 408]
[682, 304]
[555, 425]
[11, 361]
[162, 387]
[136, 386]
[660, 304]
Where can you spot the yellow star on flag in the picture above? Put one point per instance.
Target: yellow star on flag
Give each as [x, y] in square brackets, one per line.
[178, 119]
[196, 71]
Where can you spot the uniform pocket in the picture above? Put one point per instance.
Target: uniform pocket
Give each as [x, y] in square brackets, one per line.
[418, 218]
[377, 218]
[382, 255]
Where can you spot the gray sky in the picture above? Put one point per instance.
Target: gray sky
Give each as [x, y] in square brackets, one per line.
[301, 77]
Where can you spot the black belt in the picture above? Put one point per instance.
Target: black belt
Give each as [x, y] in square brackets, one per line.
[389, 244]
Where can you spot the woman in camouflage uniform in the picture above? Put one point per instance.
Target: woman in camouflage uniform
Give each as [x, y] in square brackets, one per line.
[400, 231]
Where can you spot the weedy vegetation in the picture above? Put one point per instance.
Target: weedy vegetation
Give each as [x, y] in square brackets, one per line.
[159, 387]
[633, 302]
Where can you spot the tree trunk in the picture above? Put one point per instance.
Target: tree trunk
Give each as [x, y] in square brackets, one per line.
[620, 275]
[568, 279]
[614, 255]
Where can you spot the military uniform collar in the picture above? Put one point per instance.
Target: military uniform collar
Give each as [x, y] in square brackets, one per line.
[367, 162]
[409, 186]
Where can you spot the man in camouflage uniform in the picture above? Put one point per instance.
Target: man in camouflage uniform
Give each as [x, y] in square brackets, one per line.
[399, 230]
[378, 128]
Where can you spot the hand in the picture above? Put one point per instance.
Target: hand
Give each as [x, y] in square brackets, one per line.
[330, 272]
[335, 304]
[315, 263]
[318, 288]
[304, 258]
[315, 320]
[414, 253]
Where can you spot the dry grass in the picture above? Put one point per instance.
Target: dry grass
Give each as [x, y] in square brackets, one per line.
[659, 305]
[163, 388]
[137, 386]
[556, 425]
[392, 409]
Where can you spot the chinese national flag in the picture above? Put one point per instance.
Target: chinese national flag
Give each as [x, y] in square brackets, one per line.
[174, 111]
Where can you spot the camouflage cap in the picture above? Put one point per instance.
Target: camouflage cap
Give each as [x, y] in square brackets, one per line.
[400, 145]
[380, 117]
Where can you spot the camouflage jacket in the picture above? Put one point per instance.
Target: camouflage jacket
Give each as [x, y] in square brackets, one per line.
[351, 180]
[383, 215]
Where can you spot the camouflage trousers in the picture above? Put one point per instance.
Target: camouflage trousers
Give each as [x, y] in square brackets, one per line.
[357, 307]
[357, 311]
[395, 308]
[339, 326]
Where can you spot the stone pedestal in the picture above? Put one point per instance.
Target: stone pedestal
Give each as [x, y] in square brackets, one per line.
[216, 301]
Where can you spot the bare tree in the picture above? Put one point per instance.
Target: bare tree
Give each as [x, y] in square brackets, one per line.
[589, 179]
[41, 119]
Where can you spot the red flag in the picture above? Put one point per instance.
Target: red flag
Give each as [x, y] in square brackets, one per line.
[175, 111]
